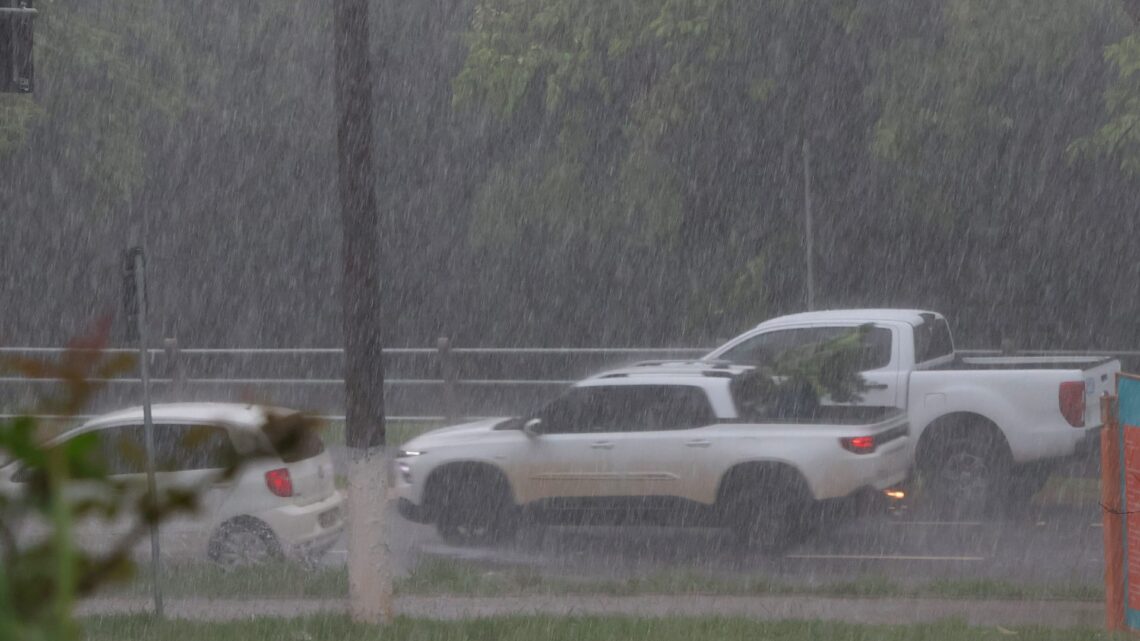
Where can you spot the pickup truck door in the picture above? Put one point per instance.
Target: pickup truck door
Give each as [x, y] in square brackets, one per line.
[663, 452]
[880, 358]
[571, 457]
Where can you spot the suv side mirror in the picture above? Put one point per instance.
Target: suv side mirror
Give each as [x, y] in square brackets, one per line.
[532, 427]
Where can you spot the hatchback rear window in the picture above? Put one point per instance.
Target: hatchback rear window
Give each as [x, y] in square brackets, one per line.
[294, 438]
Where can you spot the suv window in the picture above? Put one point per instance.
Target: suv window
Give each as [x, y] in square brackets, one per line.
[769, 347]
[628, 408]
[932, 339]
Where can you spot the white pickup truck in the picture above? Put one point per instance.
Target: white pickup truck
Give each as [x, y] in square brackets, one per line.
[699, 446]
[986, 430]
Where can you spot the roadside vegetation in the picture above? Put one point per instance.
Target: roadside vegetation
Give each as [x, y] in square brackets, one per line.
[527, 628]
[459, 578]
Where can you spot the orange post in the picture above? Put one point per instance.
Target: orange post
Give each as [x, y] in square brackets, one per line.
[1113, 515]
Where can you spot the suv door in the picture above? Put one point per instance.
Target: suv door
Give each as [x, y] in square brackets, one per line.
[879, 365]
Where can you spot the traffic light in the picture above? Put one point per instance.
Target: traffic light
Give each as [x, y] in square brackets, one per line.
[16, 69]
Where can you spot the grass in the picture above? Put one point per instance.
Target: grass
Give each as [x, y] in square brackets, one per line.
[441, 577]
[453, 577]
[1066, 490]
[550, 628]
[275, 580]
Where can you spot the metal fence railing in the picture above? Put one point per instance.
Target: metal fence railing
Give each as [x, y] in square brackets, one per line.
[422, 384]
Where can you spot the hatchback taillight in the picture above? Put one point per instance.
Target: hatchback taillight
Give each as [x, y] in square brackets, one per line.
[279, 482]
[1071, 397]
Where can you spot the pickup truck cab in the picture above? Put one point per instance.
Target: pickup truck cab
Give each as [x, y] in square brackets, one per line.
[648, 445]
[985, 428]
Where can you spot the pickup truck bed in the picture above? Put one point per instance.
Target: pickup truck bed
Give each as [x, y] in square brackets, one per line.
[1023, 362]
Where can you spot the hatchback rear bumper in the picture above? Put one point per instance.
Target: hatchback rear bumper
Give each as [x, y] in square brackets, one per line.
[314, 527]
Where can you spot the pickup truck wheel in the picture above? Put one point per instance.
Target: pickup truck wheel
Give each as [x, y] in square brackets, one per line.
[965, 474]
[476, 510]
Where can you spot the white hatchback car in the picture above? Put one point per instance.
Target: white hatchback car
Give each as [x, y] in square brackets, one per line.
[278, 504]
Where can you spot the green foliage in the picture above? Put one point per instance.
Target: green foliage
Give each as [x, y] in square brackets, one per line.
[1119, 137]
[104, 71]
[967, 92]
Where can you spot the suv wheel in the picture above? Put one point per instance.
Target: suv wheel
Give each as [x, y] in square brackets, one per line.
[475, 509]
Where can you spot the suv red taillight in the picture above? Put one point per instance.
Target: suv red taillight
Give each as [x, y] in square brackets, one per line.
[858, 444]
[1071, 396]
[279, 482]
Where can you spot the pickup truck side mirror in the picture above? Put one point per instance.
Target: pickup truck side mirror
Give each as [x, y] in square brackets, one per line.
[532, 427]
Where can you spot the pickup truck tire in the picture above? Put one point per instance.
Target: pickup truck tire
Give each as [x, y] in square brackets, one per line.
[472, 505]
[964, 464]
[765, 506]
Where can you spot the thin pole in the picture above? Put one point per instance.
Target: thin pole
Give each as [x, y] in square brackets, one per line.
[807, 228]
[148, 431]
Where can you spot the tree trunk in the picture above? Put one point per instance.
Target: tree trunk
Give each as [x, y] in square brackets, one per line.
[369, 576]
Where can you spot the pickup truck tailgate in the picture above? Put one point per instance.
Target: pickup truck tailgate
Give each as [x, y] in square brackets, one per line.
[1099, 380]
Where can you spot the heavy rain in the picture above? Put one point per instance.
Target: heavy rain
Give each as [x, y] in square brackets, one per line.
[573, 319]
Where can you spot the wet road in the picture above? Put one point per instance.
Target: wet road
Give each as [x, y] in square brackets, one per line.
[1043, 545]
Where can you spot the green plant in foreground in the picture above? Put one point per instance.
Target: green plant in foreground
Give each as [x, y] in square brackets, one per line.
[49, 487]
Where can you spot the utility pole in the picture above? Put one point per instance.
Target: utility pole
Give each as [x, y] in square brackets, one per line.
[808, 240]
[369, 575]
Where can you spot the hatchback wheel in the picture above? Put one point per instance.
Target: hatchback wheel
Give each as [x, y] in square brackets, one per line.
[242, 543]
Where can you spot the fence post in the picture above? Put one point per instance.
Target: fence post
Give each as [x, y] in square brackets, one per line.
[1112, 515]
[447, 374]
[174, 369]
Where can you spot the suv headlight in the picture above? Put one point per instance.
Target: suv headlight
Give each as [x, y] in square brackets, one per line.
[409, 453]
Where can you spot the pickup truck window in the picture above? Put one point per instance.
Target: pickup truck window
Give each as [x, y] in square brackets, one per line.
[768, 347]
[628, 408]
[932, 339]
